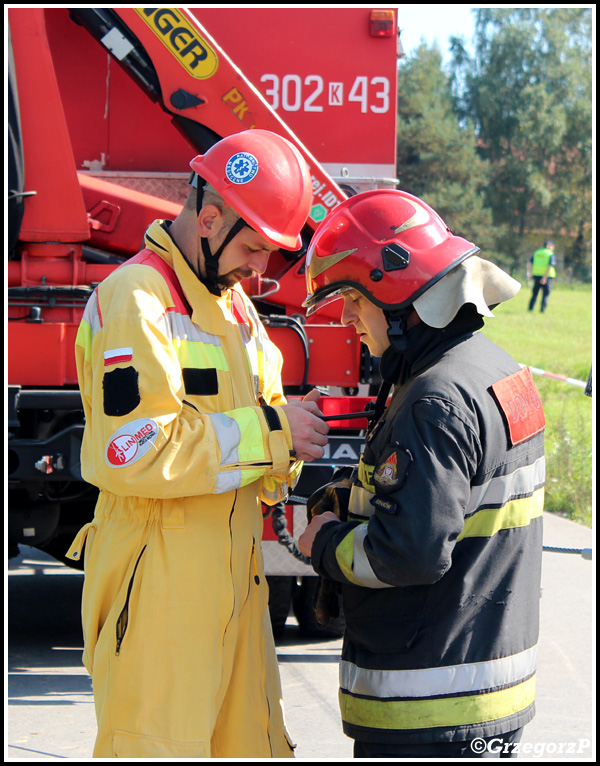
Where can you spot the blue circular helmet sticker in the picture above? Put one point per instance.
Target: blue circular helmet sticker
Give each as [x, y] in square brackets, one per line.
[241, 168]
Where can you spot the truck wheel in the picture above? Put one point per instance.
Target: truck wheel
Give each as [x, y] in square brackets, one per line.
[303, 605]
[280, 601]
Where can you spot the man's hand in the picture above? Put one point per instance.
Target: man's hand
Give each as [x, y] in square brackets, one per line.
[307, 538]
[329, 503]
[309, 430]
[327, 604]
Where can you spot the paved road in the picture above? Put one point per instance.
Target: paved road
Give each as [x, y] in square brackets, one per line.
[50, 712]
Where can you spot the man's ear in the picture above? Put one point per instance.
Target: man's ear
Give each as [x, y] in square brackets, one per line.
[210, 219]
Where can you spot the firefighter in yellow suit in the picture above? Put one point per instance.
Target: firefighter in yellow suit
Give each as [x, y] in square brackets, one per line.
[187, 431]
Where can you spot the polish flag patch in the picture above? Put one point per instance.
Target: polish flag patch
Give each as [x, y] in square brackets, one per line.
[118, 355]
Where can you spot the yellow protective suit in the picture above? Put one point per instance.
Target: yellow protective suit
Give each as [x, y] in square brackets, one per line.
[184, 436]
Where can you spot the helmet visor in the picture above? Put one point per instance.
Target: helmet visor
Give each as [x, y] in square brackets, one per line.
[317, 301]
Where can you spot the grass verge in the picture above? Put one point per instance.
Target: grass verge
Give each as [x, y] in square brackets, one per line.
[559, 341]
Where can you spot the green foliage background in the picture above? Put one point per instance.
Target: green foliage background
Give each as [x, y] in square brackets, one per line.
[559, 341]
[502, 145]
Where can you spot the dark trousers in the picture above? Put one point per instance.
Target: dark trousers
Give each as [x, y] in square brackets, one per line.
[537, 286]
[499, 746]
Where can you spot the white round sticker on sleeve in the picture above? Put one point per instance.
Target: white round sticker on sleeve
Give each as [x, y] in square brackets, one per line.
[131, 442]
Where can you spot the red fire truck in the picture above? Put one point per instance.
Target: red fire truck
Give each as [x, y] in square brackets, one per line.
[106, 109]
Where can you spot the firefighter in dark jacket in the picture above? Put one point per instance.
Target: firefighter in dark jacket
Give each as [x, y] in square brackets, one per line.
[439, 559]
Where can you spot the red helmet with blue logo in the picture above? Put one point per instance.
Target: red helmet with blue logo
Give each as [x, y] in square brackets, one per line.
[265, 179]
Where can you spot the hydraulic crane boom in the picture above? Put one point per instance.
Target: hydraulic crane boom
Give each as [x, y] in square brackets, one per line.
[195, 81]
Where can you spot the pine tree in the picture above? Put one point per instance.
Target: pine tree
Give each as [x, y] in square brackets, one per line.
[437, 158]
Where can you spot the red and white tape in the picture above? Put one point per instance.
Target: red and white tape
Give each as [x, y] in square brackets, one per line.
[572, 381]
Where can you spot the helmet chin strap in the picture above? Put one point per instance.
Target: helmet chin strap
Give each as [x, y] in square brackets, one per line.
[392, 358]
[397, 328]
[211, 260]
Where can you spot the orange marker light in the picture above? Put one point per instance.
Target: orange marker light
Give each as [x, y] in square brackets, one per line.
[381, 24]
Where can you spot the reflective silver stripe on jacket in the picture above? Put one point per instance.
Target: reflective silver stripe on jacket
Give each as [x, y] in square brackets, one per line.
[360, 502]
[227, 481]
[361, 567]
[183, 328]
[91, 315]
[250, 345]
[274, 496]
[432, 682]
[229, 436]
[499, 490]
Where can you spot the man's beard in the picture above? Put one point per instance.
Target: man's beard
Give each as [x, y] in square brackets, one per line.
[226, 281]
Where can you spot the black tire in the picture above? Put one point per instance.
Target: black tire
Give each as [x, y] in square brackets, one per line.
[280, 601]
[303, 605]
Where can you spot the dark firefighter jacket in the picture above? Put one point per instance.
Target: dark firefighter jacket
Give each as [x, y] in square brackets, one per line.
[440, 559]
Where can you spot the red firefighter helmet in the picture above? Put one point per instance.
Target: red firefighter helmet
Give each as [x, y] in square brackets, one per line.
[266, 181]
[386, 244]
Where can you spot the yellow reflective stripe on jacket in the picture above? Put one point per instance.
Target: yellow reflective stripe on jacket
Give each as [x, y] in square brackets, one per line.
[365, 476]
[254, 357]
[238, 445]
[274, 491]
[352, 559]
[516, 513]
[269, 360]
[344, 555]
[200, 355]
[83, 340]
[235, 431]
[276, 488]
[446, 712]
[194, 347]
[500, 489]
[89, 326]
[354, 563]
[264, 358]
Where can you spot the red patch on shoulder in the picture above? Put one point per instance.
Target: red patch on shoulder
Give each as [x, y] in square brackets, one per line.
[521, 405]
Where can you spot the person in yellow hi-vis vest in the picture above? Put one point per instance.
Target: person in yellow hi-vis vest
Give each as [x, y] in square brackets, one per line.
[187, 431]
[542, 267]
